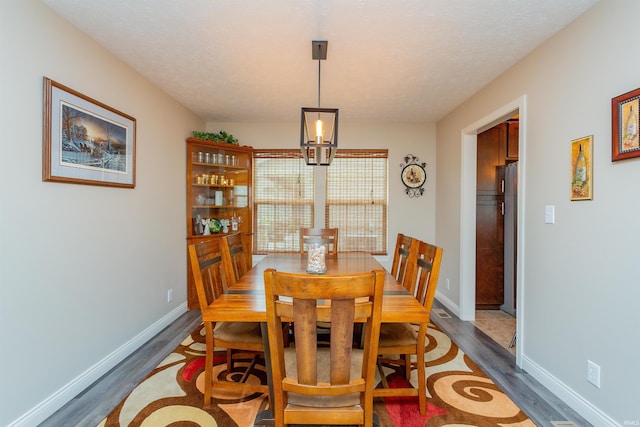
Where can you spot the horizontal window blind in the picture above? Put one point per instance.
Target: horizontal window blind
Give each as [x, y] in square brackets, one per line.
[357, 200]
[283, 200]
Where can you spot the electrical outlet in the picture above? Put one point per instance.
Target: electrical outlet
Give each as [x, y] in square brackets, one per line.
[593, 373]
[169, 295]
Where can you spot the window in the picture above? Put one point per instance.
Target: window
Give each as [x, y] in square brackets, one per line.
[283, 199]
[355, 194]
[357, 200]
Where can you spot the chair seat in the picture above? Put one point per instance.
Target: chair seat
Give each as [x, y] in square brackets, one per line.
[397, 335]
[323, 377]
[247, 332]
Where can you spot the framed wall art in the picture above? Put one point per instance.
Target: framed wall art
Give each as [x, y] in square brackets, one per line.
[624, 126]
[86, 141]
[581, 168]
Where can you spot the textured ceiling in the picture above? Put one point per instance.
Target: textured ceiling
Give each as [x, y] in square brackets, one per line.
[250, 60]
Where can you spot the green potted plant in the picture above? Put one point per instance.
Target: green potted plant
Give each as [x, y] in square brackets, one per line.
[221, 136]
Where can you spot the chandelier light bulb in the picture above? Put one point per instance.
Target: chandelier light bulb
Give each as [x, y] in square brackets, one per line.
[319, 131]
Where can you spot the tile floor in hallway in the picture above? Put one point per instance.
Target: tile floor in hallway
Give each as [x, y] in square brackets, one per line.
[498, 325]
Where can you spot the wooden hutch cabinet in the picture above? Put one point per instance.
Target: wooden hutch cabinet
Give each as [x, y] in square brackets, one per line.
[219, 195]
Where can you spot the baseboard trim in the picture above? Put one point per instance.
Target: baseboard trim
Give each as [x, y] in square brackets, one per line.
[57, 400]
[453, 307]
[579, 404]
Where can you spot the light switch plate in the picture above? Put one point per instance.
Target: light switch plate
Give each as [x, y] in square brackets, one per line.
[593, 373]
[549, 214]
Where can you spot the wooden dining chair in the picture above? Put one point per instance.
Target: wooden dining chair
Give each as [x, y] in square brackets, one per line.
[236, 262]
[239, 260]
[400, 256]
[323, 385]
[206, 263]
[324, 236]
[406, 339]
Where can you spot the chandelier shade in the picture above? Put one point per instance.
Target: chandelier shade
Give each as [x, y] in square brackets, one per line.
[319, 135]
[319, 126]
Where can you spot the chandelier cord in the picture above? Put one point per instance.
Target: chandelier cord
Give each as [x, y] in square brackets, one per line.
[299, 181]
[372, 202]
[319, 61]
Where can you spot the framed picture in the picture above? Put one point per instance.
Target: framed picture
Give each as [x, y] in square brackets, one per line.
[86, 141]
[624, 126]
[581, 168]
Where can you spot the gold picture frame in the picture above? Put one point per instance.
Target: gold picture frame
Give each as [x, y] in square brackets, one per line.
[582, 168]
[86, 141]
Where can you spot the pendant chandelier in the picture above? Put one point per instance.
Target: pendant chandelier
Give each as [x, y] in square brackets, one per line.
[319, 126]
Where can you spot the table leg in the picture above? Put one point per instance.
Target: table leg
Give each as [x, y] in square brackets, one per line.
[266, 417]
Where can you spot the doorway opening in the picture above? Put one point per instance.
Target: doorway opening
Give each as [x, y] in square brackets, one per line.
[468, 213]
[496, 230]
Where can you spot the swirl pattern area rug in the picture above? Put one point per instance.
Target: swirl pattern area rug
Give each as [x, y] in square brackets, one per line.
[458, 393]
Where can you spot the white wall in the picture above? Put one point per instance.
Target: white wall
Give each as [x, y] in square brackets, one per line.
[580, 275]
[84, 270]
[412, 216]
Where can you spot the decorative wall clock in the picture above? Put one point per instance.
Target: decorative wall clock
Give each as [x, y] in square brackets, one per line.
[413, 175]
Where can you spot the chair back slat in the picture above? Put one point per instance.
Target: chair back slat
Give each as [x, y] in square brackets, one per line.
[304, 318]
[400, 256]
[342, 317]
[236, 253]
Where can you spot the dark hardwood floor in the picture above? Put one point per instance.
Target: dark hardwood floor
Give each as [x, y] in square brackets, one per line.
[542, 406]
[94, 404]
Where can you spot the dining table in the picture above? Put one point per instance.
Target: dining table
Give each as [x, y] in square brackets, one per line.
[244, 301]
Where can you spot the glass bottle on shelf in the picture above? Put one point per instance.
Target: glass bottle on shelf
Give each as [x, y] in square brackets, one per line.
[234, 223]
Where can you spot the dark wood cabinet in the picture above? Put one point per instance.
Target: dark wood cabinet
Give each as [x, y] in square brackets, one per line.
[495, 148]
[512, 140]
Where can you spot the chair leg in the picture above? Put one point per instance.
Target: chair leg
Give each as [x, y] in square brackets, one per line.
[383, 378]
[208, 369]
[513, 341]
[422, 382]
[246, 373]
[407, 366]
[368, 410]
[421, 365]
[229, 360]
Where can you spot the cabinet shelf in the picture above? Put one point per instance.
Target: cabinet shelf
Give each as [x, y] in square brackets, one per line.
[217, 185]
[219, 165]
